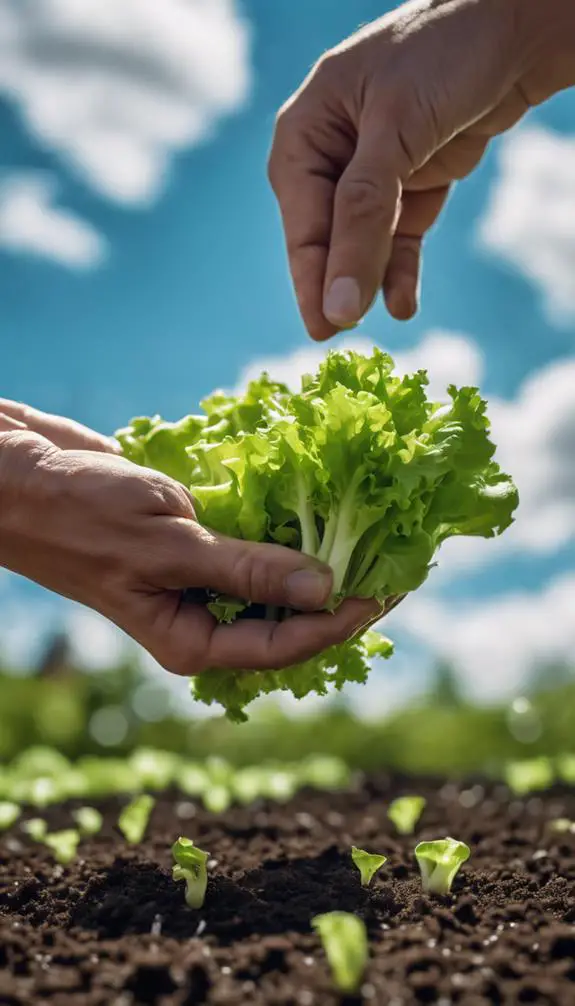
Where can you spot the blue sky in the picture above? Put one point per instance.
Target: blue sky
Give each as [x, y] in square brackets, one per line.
[171, 286]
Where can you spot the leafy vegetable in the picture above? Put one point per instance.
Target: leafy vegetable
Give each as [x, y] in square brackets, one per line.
[9, 813]
[404, 813]
[358, 469]
[367, 863]
[529, 775]
[439, 862]
[88, 819]
[134, 818]
[344, 939]
[36, 828]
[190, 865]
[64, 844]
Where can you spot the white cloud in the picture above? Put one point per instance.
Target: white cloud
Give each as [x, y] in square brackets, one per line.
[31, 224]
[449, 358]
[529, 219]
[495, 644]
[116, 87]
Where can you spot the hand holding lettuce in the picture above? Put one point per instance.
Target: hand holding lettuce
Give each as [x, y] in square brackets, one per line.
[358, 469]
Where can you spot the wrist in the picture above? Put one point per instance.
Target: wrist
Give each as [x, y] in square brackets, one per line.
[22, 455]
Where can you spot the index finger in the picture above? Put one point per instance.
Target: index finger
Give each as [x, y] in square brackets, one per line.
[304, 180]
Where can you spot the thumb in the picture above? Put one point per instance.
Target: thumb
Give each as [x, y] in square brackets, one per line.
[366, 210]
[264, 574]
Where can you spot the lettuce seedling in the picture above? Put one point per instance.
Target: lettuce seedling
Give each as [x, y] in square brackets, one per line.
[134, 818]
[529, 775]
[154, 769]
[566, 768]
[39, 761]
[64, 844]
[36, 828]
[367, 863]
[325, 772]
[217, 799]
[439, 862]
[562, 826]
[38, 792]
[359, 469]
[88, 819]
[344, 939]
[192, 778]
[404, 813]
[190, 865]
[9, 813]
[105, 776]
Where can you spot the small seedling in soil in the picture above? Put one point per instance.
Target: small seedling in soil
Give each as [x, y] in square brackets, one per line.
[439, 862]
[155, 770]
[134, 818]
[36, 828]
[404, 813]
[64, 844]
[367, 863]
[217, 799]
[88, 819]
[344, 939]
[9, 813]
[527, 776]
[190, 865]
[566, 768]
[562, 826]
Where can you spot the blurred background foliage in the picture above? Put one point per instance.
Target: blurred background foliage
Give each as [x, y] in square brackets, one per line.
[116, 710]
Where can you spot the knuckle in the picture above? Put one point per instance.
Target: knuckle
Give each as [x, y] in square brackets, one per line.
[250, 575]
[172, 497]
[363, 196]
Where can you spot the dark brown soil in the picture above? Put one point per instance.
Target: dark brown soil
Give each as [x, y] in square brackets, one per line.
[113, 929]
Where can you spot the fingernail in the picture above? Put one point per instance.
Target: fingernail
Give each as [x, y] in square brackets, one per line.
[401, 304]
[342, 304]
[308, 588]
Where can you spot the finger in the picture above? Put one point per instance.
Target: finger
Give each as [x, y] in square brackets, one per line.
[304, 179]
[366, 209]
[188, 641]
[260, 573]
[8, 423]
[306, 201]
[69, 435]
[401, 282]
[63, 433]
[261, 645]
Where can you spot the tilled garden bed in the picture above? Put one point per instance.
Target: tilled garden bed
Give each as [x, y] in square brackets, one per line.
[112, 928]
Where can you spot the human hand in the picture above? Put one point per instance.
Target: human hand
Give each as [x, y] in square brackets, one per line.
[124, 541]
[364, 154]
[64, 433]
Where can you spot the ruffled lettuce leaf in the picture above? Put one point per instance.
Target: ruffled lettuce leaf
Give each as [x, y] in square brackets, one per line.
[359, 469]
